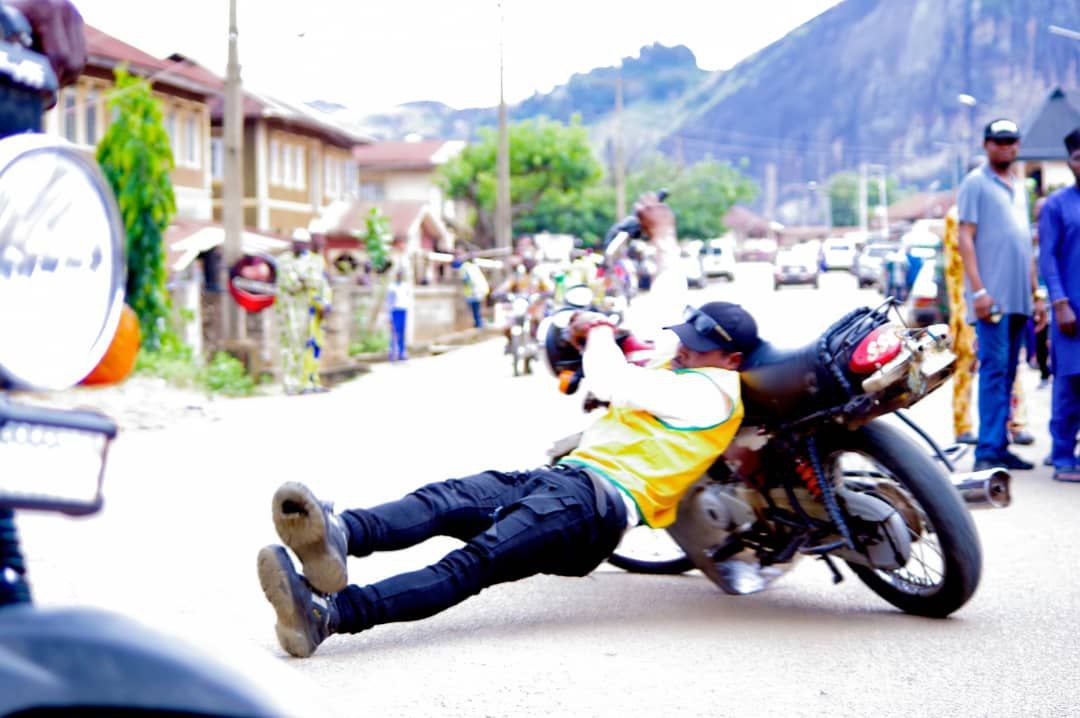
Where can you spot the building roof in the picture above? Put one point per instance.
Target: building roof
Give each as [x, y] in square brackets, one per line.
[107, 52]
[298, 116]
[745, 222]
[923, 205]
[422, 154]
[350, 219]
[1044, 134]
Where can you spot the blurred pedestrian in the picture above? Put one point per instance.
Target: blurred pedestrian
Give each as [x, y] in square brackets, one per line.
[474, 286]
[399, 301]
[303, 299]
[995, 244]
[1059, 236]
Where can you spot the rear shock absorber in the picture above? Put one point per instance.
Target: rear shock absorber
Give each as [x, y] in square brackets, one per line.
[806, 474]
[827, 496]
[13, 585]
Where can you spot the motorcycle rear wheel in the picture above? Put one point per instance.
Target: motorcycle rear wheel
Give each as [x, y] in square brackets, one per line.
[944, 519]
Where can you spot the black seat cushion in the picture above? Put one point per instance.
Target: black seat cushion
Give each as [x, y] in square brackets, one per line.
[779, 384]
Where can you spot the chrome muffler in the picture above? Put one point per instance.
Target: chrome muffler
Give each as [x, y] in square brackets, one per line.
[987, 489]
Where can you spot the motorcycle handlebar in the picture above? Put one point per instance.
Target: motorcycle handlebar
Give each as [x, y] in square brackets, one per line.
[630, 224]
[27, 82]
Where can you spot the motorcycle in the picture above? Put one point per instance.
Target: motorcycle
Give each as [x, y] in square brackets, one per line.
[61, 253]
[520, 312]
[814, 471]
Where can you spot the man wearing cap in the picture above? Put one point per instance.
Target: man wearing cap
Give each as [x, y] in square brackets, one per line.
[663, 428]
[995, 244]
[1059, 260]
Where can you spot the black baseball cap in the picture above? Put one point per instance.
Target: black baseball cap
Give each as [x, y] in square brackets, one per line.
[1001, 129]
[718, 325]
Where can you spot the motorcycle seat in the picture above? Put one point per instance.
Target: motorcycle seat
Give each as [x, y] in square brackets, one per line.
[783, 382]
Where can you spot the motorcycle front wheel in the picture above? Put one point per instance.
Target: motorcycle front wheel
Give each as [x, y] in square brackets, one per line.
[648, 550]
[946, 559]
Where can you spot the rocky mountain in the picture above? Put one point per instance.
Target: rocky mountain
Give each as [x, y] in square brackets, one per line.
[878, 81]
[873, 81]
[658, 77]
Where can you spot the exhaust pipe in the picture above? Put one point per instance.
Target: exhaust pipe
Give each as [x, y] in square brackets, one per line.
[987, 489]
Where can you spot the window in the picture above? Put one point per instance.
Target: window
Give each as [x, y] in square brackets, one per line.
[301, 162]
[331, 175]
[352, 181]
[288, 169]
[217, 158]
[170, 128]
[70, 121]
[191, 140]
[275, 162]
[371, 191]
[91, 115]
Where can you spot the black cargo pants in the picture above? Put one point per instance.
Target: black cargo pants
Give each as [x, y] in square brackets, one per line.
[556, 520]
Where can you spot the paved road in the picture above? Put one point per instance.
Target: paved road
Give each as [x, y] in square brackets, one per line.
[188, 507]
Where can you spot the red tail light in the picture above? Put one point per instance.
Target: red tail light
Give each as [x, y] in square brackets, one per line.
[923, 302]
[878, 348]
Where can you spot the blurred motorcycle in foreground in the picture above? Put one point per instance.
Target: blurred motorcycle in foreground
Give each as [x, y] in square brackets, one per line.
[62, 279]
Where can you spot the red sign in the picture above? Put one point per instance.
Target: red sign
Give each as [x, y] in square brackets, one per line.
[252, 282]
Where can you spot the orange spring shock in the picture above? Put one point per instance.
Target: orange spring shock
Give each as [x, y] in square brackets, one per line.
[806, 472]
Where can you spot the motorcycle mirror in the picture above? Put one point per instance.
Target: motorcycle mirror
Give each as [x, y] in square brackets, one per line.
[579, 295]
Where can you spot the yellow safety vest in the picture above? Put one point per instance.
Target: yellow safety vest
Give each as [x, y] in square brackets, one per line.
[652, 461]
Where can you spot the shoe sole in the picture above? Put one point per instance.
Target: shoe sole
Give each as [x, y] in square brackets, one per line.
[274, 569]
[303, 529]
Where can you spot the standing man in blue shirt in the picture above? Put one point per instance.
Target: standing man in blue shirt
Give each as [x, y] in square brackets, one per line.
[995, 245]
[1059, 260]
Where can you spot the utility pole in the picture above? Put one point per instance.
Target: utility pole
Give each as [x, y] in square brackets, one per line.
[863, 198]
[620, 159]
[233, 190]
[503, 219]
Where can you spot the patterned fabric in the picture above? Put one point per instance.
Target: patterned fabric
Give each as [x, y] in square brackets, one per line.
[303, 296]
[963, 335]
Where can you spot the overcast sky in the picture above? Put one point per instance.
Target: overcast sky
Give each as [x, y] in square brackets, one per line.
[371, 56]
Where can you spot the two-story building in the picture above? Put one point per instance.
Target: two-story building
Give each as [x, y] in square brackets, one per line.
[296, 162]
[81, 114]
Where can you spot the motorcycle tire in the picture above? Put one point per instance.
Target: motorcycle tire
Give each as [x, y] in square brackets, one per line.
[941, 506]
[515, 355]
[671, 567]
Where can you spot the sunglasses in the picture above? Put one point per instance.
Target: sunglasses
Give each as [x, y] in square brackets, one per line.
[1005, 142]
[704, 324]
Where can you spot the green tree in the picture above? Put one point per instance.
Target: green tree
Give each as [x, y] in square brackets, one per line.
[844, 196]
[700, 194]
[551, 165]
[136, 157]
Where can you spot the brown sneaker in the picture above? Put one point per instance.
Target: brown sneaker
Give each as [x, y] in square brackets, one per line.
[304, 618]
[317, 536]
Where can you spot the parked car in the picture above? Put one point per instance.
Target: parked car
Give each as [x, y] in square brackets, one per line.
[758, 249]
[837, 253]
[795, 267]
[690, 254]
[718, 257]
[869, 266]
[928, 302]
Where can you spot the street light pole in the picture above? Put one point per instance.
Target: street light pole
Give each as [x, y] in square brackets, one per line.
[620, 160]
[503, 219]
[233, 189]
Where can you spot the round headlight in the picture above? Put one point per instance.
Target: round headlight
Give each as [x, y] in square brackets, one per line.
[61, 263]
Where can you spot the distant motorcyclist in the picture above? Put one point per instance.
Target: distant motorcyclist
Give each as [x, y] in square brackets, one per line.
[563, 519]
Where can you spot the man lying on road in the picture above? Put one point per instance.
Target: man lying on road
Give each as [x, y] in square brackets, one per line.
[663, 429]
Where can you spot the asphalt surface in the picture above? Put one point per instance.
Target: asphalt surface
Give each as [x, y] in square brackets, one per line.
[188, 508]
